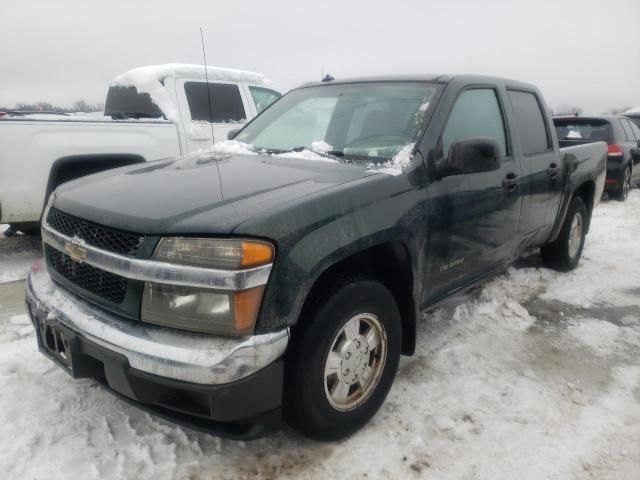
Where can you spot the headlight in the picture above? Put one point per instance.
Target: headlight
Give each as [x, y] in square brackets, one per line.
[201, 309]
[214, 253]
[224, 312]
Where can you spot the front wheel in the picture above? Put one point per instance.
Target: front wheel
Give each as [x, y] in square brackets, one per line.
[564, 253]
[343, 360]
[623, 192]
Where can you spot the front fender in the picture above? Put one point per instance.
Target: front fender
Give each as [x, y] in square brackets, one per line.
[302, 258]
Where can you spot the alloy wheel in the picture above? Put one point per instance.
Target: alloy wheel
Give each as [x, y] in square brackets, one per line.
[355, 362]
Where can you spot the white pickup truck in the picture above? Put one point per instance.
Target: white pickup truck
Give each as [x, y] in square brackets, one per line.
[150, 113]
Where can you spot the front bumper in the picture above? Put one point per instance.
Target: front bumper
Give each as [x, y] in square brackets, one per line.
[195, 379]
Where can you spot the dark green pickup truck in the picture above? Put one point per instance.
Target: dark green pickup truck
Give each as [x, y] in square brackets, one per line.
[281, 274]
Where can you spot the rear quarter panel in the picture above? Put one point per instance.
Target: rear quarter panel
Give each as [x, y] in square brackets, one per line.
[590, 166]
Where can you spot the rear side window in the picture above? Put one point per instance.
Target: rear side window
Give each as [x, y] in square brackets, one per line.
[635, 130]
[263, 97]
[476, 113]
[529, 122]
[626, 128]
[127, 102]
[583, 129]
[635, 120]
[226, 102]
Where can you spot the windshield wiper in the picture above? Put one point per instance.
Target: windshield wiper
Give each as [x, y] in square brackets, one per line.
[333, 154]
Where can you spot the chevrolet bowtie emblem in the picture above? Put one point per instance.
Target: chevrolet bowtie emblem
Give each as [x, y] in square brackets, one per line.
[76, 249]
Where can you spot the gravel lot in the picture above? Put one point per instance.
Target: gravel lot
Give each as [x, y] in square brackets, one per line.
[536, 375]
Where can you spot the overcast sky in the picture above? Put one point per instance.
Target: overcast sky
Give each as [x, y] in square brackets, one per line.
[578, 52]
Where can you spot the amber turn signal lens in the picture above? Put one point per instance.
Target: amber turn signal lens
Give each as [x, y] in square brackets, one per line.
[245, 308]
[256, 253]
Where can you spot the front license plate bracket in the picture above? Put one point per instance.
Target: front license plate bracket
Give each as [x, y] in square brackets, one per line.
[54, 341]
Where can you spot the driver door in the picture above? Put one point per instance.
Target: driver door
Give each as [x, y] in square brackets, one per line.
[473, 217]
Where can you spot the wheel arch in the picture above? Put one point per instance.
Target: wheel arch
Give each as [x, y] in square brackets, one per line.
[586, 191]
[390, 264]
[71, 167]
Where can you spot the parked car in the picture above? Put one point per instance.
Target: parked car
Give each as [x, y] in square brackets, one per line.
[150, 113]
[226, 290]
[623, 140]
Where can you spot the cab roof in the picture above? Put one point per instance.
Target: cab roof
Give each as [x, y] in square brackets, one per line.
[428, 78]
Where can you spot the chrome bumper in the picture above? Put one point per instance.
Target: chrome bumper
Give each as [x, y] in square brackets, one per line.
[185, 356]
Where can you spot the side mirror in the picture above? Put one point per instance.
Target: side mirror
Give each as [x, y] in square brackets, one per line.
[471, 155]
[232, 133]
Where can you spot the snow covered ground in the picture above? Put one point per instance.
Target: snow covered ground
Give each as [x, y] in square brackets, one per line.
[16, 255]
[536, 375]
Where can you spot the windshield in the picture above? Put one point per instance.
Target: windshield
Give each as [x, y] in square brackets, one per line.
[368, 121]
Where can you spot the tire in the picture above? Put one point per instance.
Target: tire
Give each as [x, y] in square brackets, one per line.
[564, 253]
[32, 232]
[313, 403]
[28, 228]
[623, 192]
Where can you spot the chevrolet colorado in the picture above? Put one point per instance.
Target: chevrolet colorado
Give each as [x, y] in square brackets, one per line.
[229, 291]
[151, 112]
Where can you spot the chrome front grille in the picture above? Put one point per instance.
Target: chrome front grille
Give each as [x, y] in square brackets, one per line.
[91, 279]
[106, 238]
[103, 284]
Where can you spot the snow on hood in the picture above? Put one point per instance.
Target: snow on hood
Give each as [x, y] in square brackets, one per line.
[226, 147]
[633, 110]
[149, 80]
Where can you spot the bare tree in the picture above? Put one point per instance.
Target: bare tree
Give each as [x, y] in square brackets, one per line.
[565, 109]
[80, 106]
[616, 110]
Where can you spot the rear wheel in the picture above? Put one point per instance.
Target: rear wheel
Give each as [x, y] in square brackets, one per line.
[623, 192]
[564, 253]
[343, 360]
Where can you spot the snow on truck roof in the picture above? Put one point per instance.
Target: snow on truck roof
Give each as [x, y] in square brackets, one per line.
[157, 73]
[150, 80]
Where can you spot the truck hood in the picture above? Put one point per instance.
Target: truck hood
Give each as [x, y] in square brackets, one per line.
[186, 195]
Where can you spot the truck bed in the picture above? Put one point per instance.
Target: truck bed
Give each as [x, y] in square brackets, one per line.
[30, 147]
[589, 158]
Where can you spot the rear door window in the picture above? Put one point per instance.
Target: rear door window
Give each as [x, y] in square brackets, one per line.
[476, 113]
[530, 124]
[226, 102]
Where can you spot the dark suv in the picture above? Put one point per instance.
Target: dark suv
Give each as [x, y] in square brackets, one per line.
[623, 139]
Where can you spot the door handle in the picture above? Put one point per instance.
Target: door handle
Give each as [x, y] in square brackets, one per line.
[511, 182]
[553, 171]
